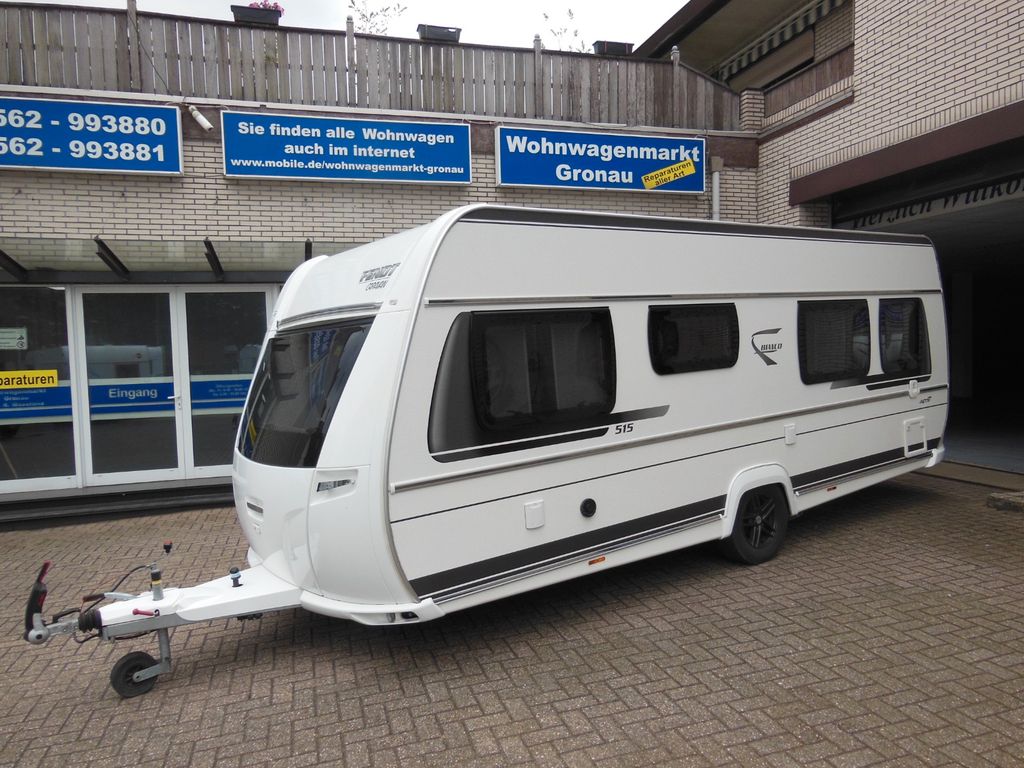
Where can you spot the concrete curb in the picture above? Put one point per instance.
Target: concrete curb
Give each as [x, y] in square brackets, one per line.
[1013, 502]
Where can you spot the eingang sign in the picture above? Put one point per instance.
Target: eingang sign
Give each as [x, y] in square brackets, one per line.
[531, 157]
[275, 146]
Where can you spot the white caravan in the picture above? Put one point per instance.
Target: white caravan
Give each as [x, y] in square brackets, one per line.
[506, 398]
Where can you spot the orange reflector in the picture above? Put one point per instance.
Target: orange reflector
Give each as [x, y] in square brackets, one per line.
[596, 560]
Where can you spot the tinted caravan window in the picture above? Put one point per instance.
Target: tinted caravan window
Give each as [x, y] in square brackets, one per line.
[295, 391]
[903, 337]
[834, 339]
[696, 337]
[506, 376]
[541, 367]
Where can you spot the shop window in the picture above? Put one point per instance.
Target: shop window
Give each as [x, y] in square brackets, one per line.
[695, 337]
[513, 375]
[36, 437]
[903, 337]
[225, 330]
[834, 340]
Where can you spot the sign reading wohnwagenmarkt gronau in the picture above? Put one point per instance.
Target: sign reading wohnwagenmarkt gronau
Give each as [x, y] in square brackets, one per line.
[531, 157]
[273, 146]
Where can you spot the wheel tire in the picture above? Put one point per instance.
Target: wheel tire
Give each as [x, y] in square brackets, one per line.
[760, 526]
[121, 675]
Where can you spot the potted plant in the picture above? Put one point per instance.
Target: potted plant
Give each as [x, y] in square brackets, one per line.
[263, 12]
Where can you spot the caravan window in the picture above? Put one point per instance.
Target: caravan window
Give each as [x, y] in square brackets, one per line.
[695, 337]
[507, 376]
[903, 337]
[295, 391]
[834, 340]
[541, 367]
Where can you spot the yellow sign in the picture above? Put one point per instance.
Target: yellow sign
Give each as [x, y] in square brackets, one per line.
[27, 379]
[671, 173]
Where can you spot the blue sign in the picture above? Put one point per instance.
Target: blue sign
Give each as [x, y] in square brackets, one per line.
[145, 397]
[270, 146]
[48, 402]
[219, 393]
[47, 134]
[531, 157]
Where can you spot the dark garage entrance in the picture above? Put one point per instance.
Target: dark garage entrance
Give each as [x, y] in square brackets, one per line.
[972, 207]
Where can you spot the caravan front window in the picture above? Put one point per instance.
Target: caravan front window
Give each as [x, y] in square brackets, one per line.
[295, 391]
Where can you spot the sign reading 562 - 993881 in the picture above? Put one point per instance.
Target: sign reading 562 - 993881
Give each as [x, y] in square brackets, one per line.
[54, 135]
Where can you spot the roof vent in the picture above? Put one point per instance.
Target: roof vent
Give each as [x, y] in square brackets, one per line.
[434, 34]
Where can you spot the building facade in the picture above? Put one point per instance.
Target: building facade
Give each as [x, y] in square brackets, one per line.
[908, 120]
[133, 299]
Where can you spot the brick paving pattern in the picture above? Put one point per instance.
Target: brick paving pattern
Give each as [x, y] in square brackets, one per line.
[890, 631]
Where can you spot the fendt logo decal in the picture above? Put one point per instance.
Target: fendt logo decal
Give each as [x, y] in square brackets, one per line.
[378, 276]
[765, 348]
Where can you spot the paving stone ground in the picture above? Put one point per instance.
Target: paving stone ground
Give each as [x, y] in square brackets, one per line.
[889, 631]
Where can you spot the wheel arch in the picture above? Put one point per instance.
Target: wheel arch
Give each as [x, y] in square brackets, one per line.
[749, 479]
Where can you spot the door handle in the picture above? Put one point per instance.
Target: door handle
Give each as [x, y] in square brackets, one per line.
[177, 401]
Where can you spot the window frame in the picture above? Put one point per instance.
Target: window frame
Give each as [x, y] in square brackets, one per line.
[661, 367]
[537, 421]
[924, 367]
[831, 376]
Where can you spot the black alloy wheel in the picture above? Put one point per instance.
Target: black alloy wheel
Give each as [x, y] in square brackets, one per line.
[760, 526]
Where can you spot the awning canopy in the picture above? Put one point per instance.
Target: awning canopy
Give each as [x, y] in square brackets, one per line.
[117, 260]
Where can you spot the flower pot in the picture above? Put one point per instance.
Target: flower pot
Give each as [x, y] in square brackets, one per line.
[434, 34]
[265, 17]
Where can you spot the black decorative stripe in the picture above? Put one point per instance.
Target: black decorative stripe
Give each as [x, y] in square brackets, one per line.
[878, 381]
[800, 482]
[596, 426]
[499, 215]
[522, 445]
[517, 563]
[897, 382]
[844, 468]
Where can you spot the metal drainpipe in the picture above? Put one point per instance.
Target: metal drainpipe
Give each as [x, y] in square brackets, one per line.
[716, 188]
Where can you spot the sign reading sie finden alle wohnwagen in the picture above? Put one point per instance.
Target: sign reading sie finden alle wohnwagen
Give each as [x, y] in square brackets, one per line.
[533, 157]
[277, 146]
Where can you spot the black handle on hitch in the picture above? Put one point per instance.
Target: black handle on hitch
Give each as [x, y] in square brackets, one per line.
[36, 598]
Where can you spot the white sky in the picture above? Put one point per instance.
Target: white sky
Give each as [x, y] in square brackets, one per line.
[489, 23]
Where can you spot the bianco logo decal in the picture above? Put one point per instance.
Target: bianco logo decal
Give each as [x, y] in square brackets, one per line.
[765, 348]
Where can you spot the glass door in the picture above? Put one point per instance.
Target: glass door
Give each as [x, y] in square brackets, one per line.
[162, 374]
[133, 430]
[224, 330]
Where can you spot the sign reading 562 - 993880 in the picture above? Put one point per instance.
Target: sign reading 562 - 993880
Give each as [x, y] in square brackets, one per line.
[54, 135]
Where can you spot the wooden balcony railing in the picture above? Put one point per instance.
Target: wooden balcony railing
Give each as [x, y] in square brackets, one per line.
[810, 81]
[81, 48]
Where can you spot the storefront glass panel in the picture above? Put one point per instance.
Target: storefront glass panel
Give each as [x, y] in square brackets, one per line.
[36, 432]
[129, 362]
[225, 331]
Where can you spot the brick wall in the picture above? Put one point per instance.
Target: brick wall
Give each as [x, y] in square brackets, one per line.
[834, 32]
[204, 203]
[927, 66]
